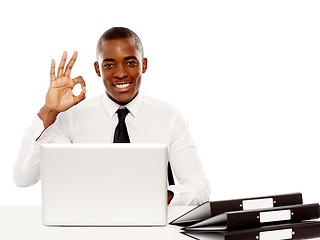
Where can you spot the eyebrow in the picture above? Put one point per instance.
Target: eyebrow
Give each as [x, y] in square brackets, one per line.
[108, 60]
[130, 57]
[126, 58]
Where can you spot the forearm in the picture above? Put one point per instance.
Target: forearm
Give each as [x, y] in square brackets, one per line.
[193, 187]
[190, 193]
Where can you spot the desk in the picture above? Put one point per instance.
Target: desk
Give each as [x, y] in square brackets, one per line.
[24, 223]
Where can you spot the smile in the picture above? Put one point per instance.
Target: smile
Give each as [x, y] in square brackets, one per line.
[124, 85]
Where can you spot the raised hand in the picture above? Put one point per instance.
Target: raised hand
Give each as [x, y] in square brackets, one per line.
[60, 96]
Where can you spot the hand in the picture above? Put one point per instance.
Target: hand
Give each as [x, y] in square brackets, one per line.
[60, 97]
[170, 196]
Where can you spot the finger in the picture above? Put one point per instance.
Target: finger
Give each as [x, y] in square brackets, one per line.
[79, 80]
[52, 71]
[70, 64]
[80, 97]
[62, 63]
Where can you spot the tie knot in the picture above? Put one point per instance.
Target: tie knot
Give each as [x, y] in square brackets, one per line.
[122, 113]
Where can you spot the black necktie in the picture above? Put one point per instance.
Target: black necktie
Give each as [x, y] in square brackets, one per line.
[121, 136]
[121, 133]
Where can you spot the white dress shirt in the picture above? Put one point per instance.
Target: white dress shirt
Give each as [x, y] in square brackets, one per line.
[94, 121]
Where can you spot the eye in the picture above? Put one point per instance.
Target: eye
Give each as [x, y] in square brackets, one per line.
[108, 65]
[132, 63]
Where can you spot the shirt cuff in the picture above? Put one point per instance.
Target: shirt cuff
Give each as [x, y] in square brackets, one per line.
[37, 125]
[39, 128]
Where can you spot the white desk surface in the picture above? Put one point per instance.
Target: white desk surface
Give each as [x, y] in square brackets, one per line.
[24, 223]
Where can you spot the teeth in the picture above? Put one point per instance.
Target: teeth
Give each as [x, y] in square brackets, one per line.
[122, 85]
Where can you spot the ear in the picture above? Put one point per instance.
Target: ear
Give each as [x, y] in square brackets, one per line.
[144, 65]
[96, 67]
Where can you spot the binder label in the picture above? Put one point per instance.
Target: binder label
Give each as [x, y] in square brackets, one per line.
[257, 203]
[273, 216]
[275, 235]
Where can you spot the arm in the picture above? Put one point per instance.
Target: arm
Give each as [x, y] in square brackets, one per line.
[193, 187]
[59, 98]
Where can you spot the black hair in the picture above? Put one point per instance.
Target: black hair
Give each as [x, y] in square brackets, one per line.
[118, 33]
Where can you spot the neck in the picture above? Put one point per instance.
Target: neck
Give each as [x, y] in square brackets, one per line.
[119, 102]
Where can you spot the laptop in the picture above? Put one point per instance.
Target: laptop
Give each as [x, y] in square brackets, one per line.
[104, 184]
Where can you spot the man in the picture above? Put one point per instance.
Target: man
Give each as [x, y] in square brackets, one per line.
[120, 63]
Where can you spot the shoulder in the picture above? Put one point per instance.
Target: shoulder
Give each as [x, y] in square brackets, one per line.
[154, 104]
[157, 104]
[157, 107]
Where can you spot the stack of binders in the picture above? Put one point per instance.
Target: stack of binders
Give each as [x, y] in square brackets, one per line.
[262, 218]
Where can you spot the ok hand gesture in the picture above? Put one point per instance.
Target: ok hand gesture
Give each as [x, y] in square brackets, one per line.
[60, 97]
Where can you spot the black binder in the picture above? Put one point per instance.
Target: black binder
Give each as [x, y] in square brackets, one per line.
[214, 208]
[300, 230]
[255, 218]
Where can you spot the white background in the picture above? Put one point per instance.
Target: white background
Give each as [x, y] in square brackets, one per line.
[244, 73]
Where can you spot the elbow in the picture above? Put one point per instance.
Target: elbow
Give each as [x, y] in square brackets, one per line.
[23, 180]
[19, 181]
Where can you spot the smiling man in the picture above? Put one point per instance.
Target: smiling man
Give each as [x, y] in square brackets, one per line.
[120, 63]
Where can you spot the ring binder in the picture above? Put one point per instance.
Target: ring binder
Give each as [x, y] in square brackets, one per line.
[214, 208]
[287, 218]
[260, 217]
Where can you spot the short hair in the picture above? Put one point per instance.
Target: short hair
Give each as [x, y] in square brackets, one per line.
[118, 33]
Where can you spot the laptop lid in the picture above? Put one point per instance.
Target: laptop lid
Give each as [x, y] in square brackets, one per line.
[104, 184]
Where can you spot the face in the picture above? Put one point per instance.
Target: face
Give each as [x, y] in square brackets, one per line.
[121, 65]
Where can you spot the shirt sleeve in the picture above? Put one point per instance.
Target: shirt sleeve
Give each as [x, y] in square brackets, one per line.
[26, 169]
[193, 187]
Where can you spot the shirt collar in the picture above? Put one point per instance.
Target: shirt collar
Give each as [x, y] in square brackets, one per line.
[133, 106]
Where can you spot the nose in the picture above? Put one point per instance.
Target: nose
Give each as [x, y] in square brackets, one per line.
[120, 72]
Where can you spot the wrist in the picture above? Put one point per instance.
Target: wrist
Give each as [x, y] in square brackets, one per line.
[47, 115]
[49, 110]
